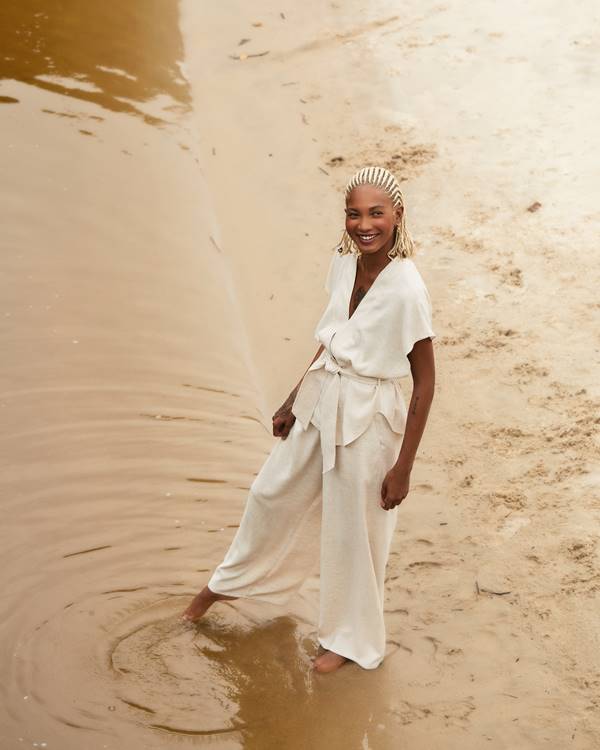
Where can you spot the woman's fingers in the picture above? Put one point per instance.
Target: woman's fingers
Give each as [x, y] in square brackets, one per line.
[277, 425]
[392, 502]
[384, 494]
[283, 425]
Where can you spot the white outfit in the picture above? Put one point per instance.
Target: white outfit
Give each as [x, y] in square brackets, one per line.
[326, 476]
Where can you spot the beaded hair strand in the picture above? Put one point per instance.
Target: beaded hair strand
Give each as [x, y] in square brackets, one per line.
[382, 178]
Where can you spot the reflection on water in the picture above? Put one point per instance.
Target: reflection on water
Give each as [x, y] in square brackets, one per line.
[282, 703]
[244, 674]
[124, 56]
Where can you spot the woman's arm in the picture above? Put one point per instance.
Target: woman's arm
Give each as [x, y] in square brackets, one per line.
[283, 419]
[397, 481]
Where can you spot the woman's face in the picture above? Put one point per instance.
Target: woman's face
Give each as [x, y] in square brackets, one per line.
[370, 218]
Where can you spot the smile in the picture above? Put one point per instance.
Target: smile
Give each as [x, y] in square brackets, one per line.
[366, 239]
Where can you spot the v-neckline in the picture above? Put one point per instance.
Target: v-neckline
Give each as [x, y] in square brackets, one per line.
[353, 282]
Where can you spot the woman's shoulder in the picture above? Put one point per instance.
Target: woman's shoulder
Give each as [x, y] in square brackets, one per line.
[335, 264]
[408, 276]
[340, 257]
[412, 304]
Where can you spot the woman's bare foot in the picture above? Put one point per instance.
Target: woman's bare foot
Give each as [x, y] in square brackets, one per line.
[329, 662]
[201, 602]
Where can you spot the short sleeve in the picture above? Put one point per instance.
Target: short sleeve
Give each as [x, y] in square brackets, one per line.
[332, 272]
[415, 319]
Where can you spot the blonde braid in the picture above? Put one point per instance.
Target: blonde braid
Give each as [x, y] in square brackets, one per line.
[382, 178]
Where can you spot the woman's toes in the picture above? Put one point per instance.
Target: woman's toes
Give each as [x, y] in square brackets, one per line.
[202, 602]
[328, 662]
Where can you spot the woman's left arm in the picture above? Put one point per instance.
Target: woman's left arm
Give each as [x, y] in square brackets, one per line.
[397, 481]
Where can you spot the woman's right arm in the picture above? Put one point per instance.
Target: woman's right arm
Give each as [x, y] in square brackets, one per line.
[283, 419]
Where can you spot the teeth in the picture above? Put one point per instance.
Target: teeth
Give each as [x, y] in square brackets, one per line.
[367, 237]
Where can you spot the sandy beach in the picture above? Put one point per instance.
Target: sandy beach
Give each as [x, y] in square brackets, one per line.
[172, 189]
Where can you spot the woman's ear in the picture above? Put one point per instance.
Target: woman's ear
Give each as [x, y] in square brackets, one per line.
[399, 212]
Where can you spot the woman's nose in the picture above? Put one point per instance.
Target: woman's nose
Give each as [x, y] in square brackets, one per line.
[363, 226]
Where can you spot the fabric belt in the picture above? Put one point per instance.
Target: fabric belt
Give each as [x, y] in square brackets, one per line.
[313, 391]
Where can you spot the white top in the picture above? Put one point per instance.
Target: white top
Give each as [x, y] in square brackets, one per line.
[357, 374]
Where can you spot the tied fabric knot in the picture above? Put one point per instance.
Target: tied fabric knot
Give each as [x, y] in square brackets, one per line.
[325, 392]
[331, 365]
[330, 398]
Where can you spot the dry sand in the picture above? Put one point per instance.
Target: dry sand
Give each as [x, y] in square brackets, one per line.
[170, 197]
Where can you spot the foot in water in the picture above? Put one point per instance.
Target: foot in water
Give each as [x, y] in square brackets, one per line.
[201, 602]
[329, 661]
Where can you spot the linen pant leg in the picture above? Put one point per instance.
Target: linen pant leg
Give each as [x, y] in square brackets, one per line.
[277, 543]
[355, 541]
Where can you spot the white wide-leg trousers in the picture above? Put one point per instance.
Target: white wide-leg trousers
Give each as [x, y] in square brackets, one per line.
[294, 512]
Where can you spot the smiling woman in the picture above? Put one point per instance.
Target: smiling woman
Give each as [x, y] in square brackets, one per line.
[348, 443]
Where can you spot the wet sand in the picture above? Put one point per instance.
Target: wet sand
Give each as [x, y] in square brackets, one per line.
[169, 201]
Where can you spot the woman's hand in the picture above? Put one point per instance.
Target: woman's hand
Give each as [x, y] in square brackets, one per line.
[395, 487]
[283, 419]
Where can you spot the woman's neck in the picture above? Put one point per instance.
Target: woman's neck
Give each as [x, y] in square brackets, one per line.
[373, 263]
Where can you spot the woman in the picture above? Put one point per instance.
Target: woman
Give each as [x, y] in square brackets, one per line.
[333, 483]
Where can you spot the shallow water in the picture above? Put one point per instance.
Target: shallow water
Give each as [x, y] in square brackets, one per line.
[125, 401]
